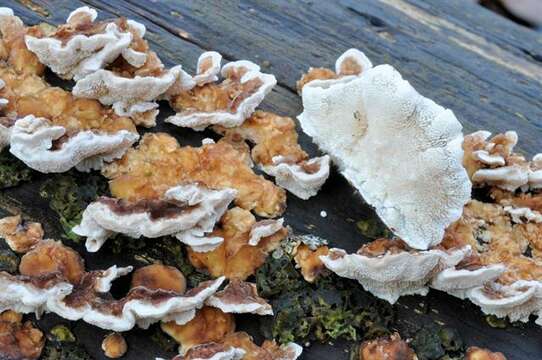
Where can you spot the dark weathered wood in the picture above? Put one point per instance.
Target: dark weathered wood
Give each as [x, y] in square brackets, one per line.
[487, 69]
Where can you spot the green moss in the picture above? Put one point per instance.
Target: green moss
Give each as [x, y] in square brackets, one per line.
[9, 260]
[373, 228]
[332, 308]
[62, 345]
[434, 342]
[496, 322]
[69, 195]
[62, 333]
[12, 170]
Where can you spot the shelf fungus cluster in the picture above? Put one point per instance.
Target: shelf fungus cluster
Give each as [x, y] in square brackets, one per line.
[187, 212]
[18, 339]
[277, 152]
[227, 103]
[46, 127]
[52, 278]
[402, 151]
[110, 62]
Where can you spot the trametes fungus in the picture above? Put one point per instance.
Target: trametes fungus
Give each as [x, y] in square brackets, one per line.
[228, 103]
[277, 152]
[235, 258]
[240, 297]
[159, 163]
[53, 279]
[188, 212]
[492, 161]
[389, 268]
[402, 151]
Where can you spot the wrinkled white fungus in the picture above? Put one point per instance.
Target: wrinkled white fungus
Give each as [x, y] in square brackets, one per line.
[402, 151]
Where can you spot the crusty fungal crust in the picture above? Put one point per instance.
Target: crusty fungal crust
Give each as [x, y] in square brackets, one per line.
[235, 258]
[20, 235]
[240, 297]
[209, 325]
[350, 64]
[228, 103]
[159, 163]
[492, 161]
[402, 151]
[18, 340]
[309, 261]
[196, 209]
[277, 152]
[386, 348]
[476, 353]
[393, 273]
[32, 141]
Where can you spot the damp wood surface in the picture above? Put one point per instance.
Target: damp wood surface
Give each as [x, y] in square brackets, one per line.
[487, 69]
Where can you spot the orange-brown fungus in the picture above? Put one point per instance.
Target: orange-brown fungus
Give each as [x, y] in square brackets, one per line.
[496, 239]
[209, 325]
[161, 277]
[386, 348]
[159, 163]
[114, 346]
[383, 246]
[476, 353]
[31, 95]
[235, 258]
[20, 235]
[530, 200]
[309, 261]
[19, 341]
[269, 350]
[315, 74]
[272, 135]
[50, 257]
[13, 48]
[217, 97]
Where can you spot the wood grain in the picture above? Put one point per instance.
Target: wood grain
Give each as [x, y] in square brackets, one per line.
[485, 68]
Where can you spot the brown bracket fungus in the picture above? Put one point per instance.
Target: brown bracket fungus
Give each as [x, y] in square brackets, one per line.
[20, 235]
[240, 297]
[402, 151]
[386, 348]
[18, 340]
[185, 211]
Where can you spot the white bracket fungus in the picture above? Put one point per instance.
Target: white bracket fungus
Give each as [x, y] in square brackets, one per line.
[262, 229]
[33, 139]
[523, 214]
[240, 297]
[82, 54]
[227, 104]
[458, 282]
[304, 180]
[516, 301]
[401, 150]
[493, 162]
[185, 211]
[23, 294]
[392, 275]
[211, 351]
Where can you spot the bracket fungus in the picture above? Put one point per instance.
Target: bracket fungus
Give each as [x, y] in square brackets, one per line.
[48, 148]
[228, 103]
[240, 297]
[492, 161]
[402, 151]
[53, 279]
[159, 163]
[236, 258]
[277, 152]
[83, 46]
[185, 211]
[386, 348]
[389, 269]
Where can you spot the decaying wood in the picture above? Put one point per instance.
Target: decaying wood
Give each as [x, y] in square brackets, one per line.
[486, 68]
